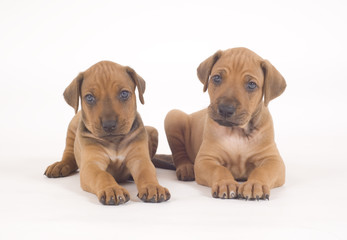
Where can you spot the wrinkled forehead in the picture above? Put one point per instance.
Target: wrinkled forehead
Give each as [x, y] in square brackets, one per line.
[106, 75]
[239, 61]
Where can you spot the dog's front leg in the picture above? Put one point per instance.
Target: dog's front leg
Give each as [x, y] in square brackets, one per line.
[95, 179]
[210, 172]
[143, 172]
[269, 174]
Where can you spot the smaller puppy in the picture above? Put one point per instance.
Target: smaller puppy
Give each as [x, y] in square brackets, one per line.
[232, 139]
[106, 140]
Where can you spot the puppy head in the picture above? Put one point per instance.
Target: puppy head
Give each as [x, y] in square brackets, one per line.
[237, 81]
[108, 100]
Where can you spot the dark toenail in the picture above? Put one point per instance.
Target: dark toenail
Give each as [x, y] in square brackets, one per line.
[144, 197]
[102, 200]
[153, 199]
[111, 202]
[215, 195]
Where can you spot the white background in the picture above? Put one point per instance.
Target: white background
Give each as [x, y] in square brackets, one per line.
[45, 44]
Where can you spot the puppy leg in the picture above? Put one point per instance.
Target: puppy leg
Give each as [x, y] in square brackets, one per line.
[143, 172]
[95, 179]
[177, 128]
[68, 163]
[152, 134]
[270, 174]
[210, 172]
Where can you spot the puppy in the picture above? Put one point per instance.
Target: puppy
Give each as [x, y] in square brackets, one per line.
[107, 140]
[233, 139]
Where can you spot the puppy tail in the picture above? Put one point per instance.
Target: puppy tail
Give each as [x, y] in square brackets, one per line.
[163, 161]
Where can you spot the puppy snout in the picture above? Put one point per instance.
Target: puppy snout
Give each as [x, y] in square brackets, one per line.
[226, 110]
[109, 126]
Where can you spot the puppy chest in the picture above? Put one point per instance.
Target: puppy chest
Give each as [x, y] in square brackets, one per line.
[116, 158]
[237, 156]
[117, 167]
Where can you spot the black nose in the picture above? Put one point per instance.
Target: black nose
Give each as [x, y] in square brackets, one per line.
[226, 110]
[109, 126]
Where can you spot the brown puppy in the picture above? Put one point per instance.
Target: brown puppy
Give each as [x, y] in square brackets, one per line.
[106, 140]
[233, 139]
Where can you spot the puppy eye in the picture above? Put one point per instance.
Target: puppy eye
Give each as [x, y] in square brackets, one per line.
[251, 86]
[217, 79]
[90, 99]
[124, 95]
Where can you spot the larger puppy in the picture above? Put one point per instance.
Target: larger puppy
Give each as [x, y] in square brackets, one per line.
[107, 139]
[233, 139]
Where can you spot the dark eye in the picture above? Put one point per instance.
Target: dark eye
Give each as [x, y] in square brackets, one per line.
[90, 99]
[124, 95]
[217, 79]
[251, 86]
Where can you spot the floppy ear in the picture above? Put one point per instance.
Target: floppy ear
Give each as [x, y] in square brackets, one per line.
[204, 69]
[139, 82]
[73, 91]
[274, 83]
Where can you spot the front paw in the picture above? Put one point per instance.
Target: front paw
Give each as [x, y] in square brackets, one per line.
[113, 195]
[225, 189]
[253, 189]
[185, 172]
[153, 193]
[59, 169]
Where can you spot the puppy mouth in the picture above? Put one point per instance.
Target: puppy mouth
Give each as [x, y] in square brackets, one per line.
[226, 123]
[100, 133]
[236, 120]
[121, 131]
[110, 135]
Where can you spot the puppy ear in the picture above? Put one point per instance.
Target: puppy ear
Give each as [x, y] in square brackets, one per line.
[139, 82]
[274, 83]
[73, 91]
[204, 69]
